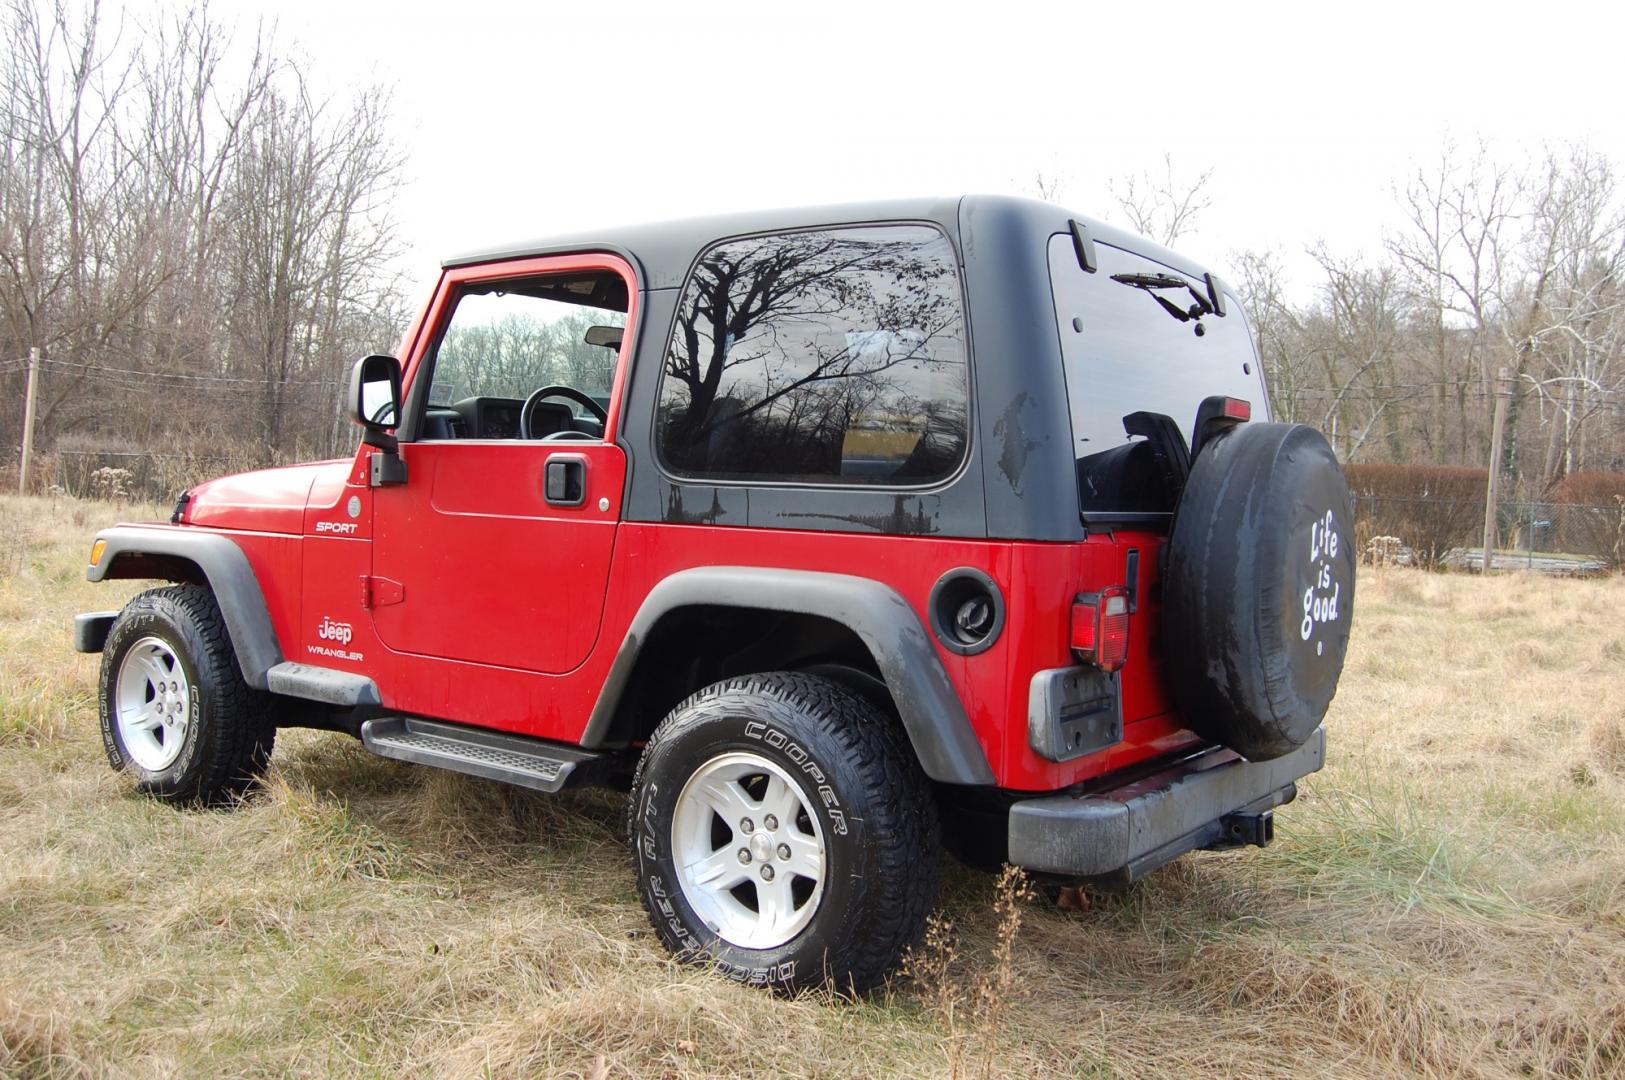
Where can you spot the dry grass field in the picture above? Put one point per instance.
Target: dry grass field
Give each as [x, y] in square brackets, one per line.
[1446, 899]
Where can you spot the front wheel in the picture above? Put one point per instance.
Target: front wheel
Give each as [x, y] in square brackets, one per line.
[784, 833]
[175, 711]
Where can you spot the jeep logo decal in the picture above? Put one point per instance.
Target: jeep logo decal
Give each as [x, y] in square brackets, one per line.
[340, 632]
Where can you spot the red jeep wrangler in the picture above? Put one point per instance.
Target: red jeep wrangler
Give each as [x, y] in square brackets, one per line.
[839, 534]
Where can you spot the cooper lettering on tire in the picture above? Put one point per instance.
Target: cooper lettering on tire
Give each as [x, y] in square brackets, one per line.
[784, 833]
[1259, 589]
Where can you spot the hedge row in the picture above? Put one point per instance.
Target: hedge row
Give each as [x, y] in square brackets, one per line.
[1433, 509]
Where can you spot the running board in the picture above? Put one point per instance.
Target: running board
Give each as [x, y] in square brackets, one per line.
[513, 759]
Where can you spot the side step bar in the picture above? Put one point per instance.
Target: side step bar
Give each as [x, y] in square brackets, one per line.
[513, 759]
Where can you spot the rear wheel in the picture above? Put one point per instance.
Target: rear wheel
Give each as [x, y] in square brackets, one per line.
[175, 711]
[784, 833]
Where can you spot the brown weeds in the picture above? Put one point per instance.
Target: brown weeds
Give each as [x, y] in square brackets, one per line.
[972, 1008]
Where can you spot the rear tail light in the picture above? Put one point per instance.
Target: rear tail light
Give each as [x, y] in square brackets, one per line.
[1100, 628]
[1215, 416]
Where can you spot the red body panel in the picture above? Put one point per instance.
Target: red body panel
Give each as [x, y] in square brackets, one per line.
[270, 500]
[1040, 579]
[466, 596]
[333, 625]
[492, 572]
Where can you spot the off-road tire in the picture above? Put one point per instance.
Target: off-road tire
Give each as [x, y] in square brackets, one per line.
[228, 740]
[882, 860]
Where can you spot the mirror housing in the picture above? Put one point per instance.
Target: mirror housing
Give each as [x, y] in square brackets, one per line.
[374, 399]
[374, 402]
[607, 336]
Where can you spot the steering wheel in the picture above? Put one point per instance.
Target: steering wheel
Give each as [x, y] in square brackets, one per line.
[558, 391]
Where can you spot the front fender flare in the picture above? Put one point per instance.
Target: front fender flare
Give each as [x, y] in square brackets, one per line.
[927, 702]
[224, 567]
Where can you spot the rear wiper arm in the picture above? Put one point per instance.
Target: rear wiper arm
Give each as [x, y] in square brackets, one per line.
[1151, 283]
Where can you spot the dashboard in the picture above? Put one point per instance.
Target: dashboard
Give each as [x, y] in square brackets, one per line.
[499, 418]
[474, 418]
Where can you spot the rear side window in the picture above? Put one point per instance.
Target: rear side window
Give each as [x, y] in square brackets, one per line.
[1125, 352]
[828, 357]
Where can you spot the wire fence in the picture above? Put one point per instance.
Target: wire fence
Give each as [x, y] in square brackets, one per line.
[1551, 537]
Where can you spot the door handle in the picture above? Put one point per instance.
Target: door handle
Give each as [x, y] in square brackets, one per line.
[564, 480]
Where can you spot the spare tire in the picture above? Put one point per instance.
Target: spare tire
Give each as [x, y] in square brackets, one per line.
[1259, 588]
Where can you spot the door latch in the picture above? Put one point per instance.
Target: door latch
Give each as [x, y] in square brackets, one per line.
[564, 481]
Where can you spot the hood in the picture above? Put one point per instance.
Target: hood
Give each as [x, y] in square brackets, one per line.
[268, 500]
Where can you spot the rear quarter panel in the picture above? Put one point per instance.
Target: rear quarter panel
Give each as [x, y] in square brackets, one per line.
[1039, 581]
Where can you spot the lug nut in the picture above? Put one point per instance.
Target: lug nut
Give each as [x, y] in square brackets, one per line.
[747, 825]
[767, 873]
[784, 852]
[744, 854]
[770, 823]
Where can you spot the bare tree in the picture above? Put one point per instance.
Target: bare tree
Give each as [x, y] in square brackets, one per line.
[1570, 333]
[1280, 333]
[1453, 255]
[194, 242]
[1164, 207]
[309, 233]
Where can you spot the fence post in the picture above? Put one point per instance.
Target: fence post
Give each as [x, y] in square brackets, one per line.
[29, 401]
[1503, 391]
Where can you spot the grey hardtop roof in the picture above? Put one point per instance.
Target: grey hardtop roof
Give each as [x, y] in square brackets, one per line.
[663, 251]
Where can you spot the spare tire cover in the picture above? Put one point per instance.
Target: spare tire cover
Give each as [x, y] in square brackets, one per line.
[1259, 588]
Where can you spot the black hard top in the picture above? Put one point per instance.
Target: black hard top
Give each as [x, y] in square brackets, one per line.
[664, 251]
[1010, 487]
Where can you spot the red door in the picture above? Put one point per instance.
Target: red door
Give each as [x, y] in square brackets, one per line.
[477, 557]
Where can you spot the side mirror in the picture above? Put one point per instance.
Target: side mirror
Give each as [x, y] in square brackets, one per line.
[374, 402]
[375, 394]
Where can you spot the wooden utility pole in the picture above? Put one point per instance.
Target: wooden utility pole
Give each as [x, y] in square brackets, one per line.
[1503, 393]
[29, 401]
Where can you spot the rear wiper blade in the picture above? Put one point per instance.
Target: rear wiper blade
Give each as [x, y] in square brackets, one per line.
[1151, 283]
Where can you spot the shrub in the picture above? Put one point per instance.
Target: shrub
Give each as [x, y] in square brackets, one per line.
[1590, 489]
[1589, 508]
[111, 483]
[1430, 509]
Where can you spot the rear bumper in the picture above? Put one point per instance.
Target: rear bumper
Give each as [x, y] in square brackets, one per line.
[1127, 832]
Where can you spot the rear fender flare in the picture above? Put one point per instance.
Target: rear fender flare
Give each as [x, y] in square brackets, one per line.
[927, 702]
[225, 570]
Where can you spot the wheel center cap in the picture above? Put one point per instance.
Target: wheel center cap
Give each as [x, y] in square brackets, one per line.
[761, 847]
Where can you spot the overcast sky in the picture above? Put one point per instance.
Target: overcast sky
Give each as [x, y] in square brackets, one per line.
[521, 120]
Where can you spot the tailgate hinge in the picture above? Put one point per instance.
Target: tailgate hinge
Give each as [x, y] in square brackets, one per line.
[377, 592]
